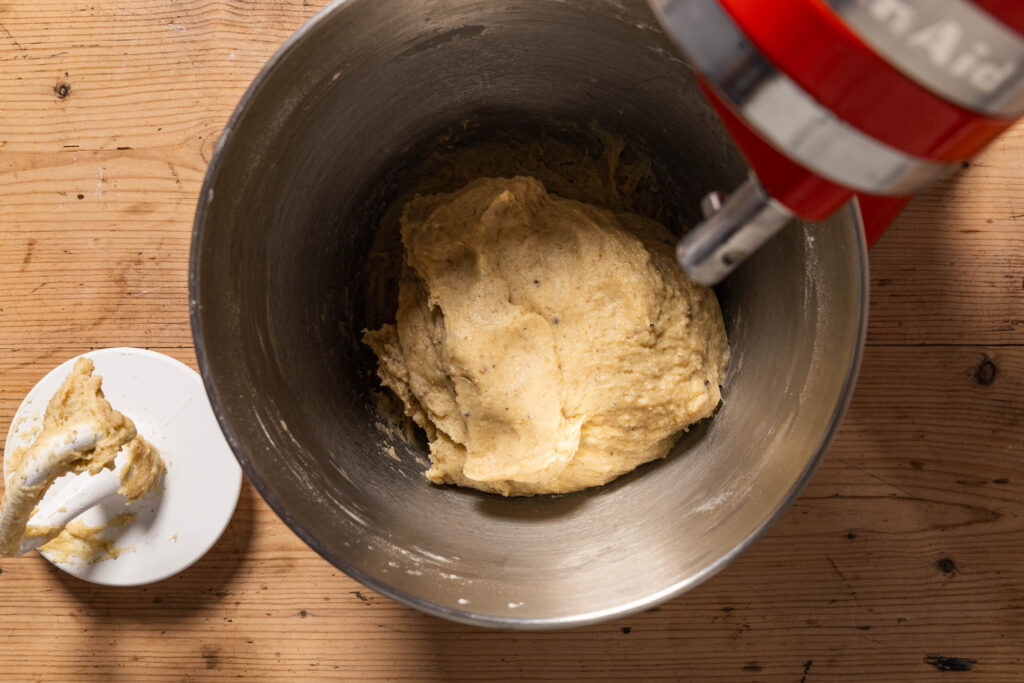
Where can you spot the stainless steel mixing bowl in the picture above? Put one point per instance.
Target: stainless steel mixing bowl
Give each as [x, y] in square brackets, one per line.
[322, 143]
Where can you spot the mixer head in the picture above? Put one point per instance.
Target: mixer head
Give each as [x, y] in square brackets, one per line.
[834, 100]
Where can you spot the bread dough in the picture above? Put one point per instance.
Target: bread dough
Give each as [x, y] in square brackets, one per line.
[143, 470]
[81, 432]
[87, 544]
[545, 345]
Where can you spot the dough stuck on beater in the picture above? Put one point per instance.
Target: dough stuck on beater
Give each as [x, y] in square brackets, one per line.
[545, 345]
[81, 432]
[143, 471]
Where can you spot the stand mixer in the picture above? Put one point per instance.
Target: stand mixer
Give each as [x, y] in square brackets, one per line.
[833, 100]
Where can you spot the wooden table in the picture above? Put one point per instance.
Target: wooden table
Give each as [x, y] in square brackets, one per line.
[903, 559]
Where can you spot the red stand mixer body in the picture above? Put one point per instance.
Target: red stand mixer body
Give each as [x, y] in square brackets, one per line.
[833, 100]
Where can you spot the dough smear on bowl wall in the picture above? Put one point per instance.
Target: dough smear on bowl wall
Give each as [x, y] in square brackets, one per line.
[545, 345]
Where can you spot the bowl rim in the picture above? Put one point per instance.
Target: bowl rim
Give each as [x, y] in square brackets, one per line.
[463, 615]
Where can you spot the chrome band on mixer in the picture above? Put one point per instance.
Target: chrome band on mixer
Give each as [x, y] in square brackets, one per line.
[952, 48]
[784, 113]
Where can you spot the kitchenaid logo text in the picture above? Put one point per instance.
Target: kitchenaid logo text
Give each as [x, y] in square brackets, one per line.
[958, 50]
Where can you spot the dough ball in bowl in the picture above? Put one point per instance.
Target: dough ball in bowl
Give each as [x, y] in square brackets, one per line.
[544, 344]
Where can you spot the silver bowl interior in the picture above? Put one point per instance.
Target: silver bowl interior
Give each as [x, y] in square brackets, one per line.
[324, 142]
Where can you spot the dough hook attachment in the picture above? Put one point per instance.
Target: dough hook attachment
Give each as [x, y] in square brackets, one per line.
[733, 228]
[70, 502]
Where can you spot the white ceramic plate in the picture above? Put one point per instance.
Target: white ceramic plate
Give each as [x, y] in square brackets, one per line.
[177, 524]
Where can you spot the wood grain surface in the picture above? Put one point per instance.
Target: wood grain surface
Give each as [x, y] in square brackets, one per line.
[904, 558]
